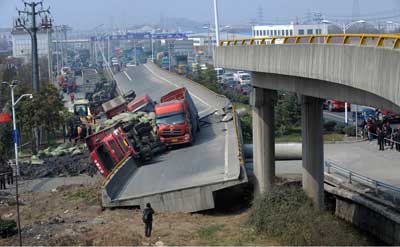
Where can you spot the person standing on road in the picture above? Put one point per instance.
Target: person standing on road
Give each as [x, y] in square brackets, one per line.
[396, 138]
[148, 220]
[72, 96]
[370, 126]
[381, 138]
[387, 130]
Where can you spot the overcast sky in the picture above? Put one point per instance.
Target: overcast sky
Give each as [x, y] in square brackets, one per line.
[84, 14]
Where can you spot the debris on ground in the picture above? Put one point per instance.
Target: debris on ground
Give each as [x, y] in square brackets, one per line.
[58, 166]
[61, 150]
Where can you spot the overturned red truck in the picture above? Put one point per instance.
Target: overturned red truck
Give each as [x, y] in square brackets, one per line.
[177, 123]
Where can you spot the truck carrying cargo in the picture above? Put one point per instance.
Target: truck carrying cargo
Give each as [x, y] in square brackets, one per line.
[114, 107]
[142, 104]
[177, 118]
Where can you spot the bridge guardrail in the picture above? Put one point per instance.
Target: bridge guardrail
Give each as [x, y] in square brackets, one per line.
[386, 139]
[353, 176]
[372, 40]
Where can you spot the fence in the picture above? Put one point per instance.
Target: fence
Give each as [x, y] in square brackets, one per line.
[355, 177]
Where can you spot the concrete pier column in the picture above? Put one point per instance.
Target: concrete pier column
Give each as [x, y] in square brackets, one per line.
[313, 149]
[263, 101]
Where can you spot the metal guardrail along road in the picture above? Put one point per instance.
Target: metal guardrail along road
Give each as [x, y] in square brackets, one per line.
[353, 176]
[371, 40]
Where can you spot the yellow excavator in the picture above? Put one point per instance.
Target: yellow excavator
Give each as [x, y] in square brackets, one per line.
[82, 109]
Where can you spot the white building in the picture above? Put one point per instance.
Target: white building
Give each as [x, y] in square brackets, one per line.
[290, 30]
[21, 43]
[5, 34]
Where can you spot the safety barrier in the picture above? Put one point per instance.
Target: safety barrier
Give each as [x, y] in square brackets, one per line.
[386, 139]
[355, 177]
[374, 40]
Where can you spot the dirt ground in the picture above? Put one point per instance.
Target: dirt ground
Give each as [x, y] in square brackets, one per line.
[72, 215]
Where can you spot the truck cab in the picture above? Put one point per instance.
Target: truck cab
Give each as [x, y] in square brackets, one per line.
[110, 151]
[177, 118]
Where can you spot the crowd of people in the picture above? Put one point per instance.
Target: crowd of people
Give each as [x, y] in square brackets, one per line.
[383, 132]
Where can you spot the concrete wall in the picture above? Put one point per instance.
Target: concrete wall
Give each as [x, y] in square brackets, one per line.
[113, 186]
[385, 229]
[188, 200]
[361, 75]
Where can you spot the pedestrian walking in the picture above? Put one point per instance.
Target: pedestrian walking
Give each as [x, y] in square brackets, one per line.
[148, 220]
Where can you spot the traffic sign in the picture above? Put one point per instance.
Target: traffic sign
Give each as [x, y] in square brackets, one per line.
[139, 36]
[16, 136]
[5, 117]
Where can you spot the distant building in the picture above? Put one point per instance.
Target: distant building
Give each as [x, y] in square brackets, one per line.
[5, 34]
[290, 30]
[21, 44]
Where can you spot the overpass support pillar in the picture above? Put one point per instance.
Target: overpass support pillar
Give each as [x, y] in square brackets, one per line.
[263, 101]
[313, 149]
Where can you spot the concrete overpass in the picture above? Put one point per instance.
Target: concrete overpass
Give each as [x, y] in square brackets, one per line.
[362, 69]
[182, 179]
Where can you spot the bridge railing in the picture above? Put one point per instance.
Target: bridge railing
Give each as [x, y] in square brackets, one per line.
[374, 40]
[355, 177]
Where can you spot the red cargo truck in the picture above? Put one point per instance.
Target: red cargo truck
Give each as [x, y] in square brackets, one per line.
[177, 118]
[114, 107]
[336, 105]
[108, 149]
[142, 104]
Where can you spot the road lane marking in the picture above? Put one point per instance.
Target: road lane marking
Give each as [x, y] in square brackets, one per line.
[127, 76]
[177, 86]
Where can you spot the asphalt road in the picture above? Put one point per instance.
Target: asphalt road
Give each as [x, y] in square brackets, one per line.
[360, 157]
[207, 161]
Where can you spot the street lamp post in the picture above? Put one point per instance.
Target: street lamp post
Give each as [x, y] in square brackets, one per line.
[12, 85]
[344, 28]
[216, 22]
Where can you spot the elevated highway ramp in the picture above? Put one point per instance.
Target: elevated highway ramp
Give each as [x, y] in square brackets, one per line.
[183, 179]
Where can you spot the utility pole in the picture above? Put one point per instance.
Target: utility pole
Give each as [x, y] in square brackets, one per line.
[29, 15]
[216, 22]
[27, 20]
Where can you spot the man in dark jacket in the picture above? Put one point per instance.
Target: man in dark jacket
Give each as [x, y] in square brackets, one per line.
[148, 220]
[381, 138]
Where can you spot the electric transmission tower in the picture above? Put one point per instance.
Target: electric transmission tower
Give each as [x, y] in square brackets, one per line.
[260, 15]
[27, 20]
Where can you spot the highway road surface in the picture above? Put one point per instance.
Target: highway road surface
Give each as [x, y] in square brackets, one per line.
[360, 157]
[212, 159]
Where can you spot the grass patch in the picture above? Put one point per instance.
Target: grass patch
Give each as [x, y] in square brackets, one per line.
[208, 234]
[289, 138]
[333, 137]
[287, 215]
[88, 195]
[79, 195]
